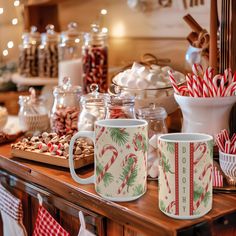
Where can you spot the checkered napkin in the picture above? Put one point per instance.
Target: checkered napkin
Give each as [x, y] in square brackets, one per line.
[46, 225]
[11, 205]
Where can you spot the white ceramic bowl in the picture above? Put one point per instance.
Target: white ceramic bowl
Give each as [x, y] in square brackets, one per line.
[205, 115]
[228, 166]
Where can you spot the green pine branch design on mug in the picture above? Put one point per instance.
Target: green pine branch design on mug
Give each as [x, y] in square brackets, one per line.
[140, 142]
[138, 190]
[120, 136]
[166, 164]
[210, 147]
[198, 191]
[125, 172]
[162, 206]
[107, 178]
[170, 147]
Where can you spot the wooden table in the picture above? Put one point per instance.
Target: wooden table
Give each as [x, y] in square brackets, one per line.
[140, 217]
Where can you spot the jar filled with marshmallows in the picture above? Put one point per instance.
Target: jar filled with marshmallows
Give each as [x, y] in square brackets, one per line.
[66, 108]
[94, 107]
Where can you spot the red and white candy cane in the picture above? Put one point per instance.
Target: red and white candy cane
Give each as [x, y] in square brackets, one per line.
[230, 90]
[166, 179]
[220, 144]
[199, 152]
[227, 146]
[100, 133]
[225, 134]
[183, 90]
[170, 206]
[233, 139]
[208, 167]
[197, 204]
[198, 70]
[189, 85]
[129, 156]
[114, 152]
[173, 82]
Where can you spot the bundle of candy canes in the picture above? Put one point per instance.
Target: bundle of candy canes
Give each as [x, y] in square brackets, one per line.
[225, 143]
[205, 84]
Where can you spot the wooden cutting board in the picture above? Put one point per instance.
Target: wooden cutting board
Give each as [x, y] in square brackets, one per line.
[47, 158]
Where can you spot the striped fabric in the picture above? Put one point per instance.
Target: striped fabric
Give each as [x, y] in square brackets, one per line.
[11, 205]
[46, 225]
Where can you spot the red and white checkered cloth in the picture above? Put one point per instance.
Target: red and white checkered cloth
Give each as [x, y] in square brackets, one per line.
[46, 225]
[11, 205]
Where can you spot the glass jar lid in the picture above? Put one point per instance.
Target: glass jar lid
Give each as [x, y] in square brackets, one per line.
[95, 97]
[67, 88]
[152, 112]
[72, 34]
[50, 35]
[95, 35]
[31, 37]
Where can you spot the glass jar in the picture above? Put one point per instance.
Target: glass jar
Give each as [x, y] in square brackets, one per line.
[121, 106]
[70, 50]
[33, 115]
[155, 116]
[94, 107]
[66, 107]
[48, 54]
[28, 53]
[95, 59]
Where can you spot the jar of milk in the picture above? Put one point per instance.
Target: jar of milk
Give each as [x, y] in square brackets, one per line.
[69, 49]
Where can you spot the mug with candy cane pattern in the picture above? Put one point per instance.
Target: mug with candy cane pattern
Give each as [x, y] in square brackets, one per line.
[185, 180]
[120, 153]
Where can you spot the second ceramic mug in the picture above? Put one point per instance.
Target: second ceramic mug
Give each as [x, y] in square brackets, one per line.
[120, 153]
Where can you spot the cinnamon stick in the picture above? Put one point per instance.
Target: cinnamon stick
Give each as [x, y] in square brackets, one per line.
[213, 62]
[192, 23]
[192, 37]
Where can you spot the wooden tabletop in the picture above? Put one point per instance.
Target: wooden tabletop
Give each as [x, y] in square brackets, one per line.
[142, 214]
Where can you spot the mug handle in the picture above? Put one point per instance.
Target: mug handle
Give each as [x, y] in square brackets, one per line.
[87, 134]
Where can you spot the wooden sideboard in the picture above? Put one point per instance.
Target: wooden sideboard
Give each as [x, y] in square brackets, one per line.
[64, 198]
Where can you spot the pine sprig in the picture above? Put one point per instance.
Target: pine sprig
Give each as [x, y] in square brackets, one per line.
[198, 190]
[170, 147]
[166, 164]
[138, 190]
[120, 136]
[162, 205]
[125, 172]
[107, 178]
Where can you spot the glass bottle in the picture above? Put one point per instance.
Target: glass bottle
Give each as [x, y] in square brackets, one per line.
[70, 53]
[28, 53]
[66, 108]
[95, 59]
[155, 116]
[121, 106]
[94, 107]
[48, 54]
[33, 114]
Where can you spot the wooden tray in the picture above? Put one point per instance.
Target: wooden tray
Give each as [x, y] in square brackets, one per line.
[52, 160]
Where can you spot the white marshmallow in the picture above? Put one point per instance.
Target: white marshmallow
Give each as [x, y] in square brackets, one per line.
[142, 84]
[136, 66]
[143, 72]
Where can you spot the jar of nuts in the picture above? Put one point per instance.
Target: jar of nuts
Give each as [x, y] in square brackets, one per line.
[28, 55]
[48, 54]
[94, 107]
[94, 59]
[66, 107]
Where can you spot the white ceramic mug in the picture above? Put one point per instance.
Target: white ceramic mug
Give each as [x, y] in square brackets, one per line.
[120, 151]
[185, 180]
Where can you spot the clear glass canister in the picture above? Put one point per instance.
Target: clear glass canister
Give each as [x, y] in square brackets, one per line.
[66, 108]
[121, 107]
[94, 107]
[95, 59]
[156, 118]
[70, 53]
[48, 54]
[33, 115]
[28, 53]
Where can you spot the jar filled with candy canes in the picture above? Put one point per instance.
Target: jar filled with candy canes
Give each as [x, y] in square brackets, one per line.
[48, 53]
[156, 118]
[121, 106]
[33, 114]
[70, 53]
[28, 53]
[94, 59]
[66, 108]
[94, 107]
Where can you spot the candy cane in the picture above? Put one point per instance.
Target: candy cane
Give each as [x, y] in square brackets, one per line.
[197, 70]
[173, 82]
[197, 204]
[205, 171]
[166, 179]
[227, 146]
[225, 134]
[231, 88]
[233, 138]
[189, 85]
[219, 143]
[199, 152]
[170, 206]
[129, 156]
[100, 133]
[140, 138]
[110, 162]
